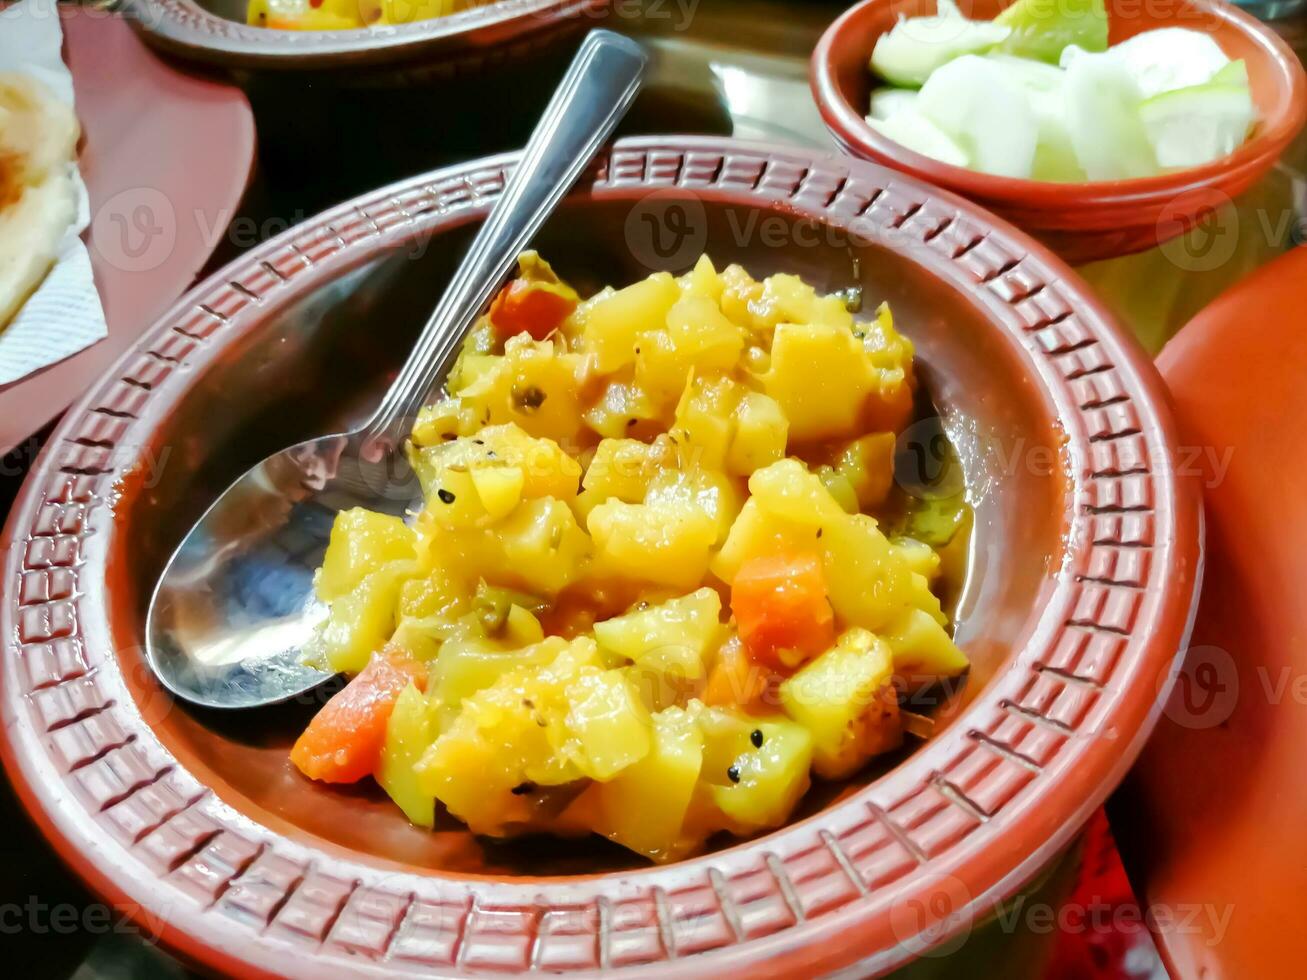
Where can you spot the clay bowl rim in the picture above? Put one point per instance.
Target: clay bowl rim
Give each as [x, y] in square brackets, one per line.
[849, 127]
[976, 853]
[190, 30]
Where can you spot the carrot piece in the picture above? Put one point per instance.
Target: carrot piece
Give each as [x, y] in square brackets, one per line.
[781, 609]
[734, 678]
[344, 740]
[532, 307]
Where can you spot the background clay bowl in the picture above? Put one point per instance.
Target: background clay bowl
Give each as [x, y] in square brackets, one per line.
[467, 42]
[1225, 763]
[1085, 557]
[159, 200]
[1089, 220]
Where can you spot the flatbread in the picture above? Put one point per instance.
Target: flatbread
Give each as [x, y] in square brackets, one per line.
[38, 198]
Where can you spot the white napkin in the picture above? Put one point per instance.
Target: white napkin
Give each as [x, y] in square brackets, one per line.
[64, 315]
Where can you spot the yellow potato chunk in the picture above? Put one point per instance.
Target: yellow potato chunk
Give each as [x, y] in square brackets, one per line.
[761, 430]
[360, 541]
[868, 465]
[538, 548]
[607, 723]
[702, 280]
[844, 699]
[821, 378]
[922, 648]
[697, 338]
[533, 385]
[623, 468]
[704, 425]
[408, 736]
[665, 543]
[754, 786]
[672, 638]
[361, 621]
[611, 326]
[645, 806]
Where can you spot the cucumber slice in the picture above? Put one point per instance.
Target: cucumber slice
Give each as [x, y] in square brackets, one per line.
[987, 115]
[1031, 75]
[1192, 126]
[1235, 73]
[1041, 29]
[1165, 59]
[916, 46]
[1055, 153]
[1102, 112]
[886, 102]
[911, 129]
[1055, 156]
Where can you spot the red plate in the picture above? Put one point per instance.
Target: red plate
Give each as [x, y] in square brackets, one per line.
[1211, 821]
[166, 157]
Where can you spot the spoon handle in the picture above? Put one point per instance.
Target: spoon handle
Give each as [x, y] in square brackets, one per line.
[594, 94]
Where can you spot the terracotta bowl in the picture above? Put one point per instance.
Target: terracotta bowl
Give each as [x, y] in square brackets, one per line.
[1085, 556]
[1096, 219]
[468, 42]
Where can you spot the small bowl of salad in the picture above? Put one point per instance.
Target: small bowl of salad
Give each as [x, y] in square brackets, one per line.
[1103, 127]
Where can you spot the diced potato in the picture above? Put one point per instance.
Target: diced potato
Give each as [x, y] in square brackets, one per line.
[740, 292]
[868, 464]
[538, 548]
[505, 737]
[443, 420]
[787, 490]
[754, 786]
[607, 722]
[922, 648]
[697, 339]
[704, 425]
[611, 327]
[408, 736]
[669, 639]
[360, 541]
[547, 471]
[533, 384]
[702, 280]
[499, 489]
[918, 556]
[845, 700]
[716, 494]
[644, 807]
[623, 408]
[664, 543]
[868, 583]
[622, 468]
[761, 429]
[839, 487]
[788, 299]
[821, 377]
[468, 664]
[360, 622]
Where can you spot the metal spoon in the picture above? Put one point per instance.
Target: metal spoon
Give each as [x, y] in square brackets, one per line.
[235, 604]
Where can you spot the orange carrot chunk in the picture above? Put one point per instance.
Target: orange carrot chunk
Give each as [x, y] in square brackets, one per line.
[532, 307]
[344, 740]
[781, 609]
[735, 680]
